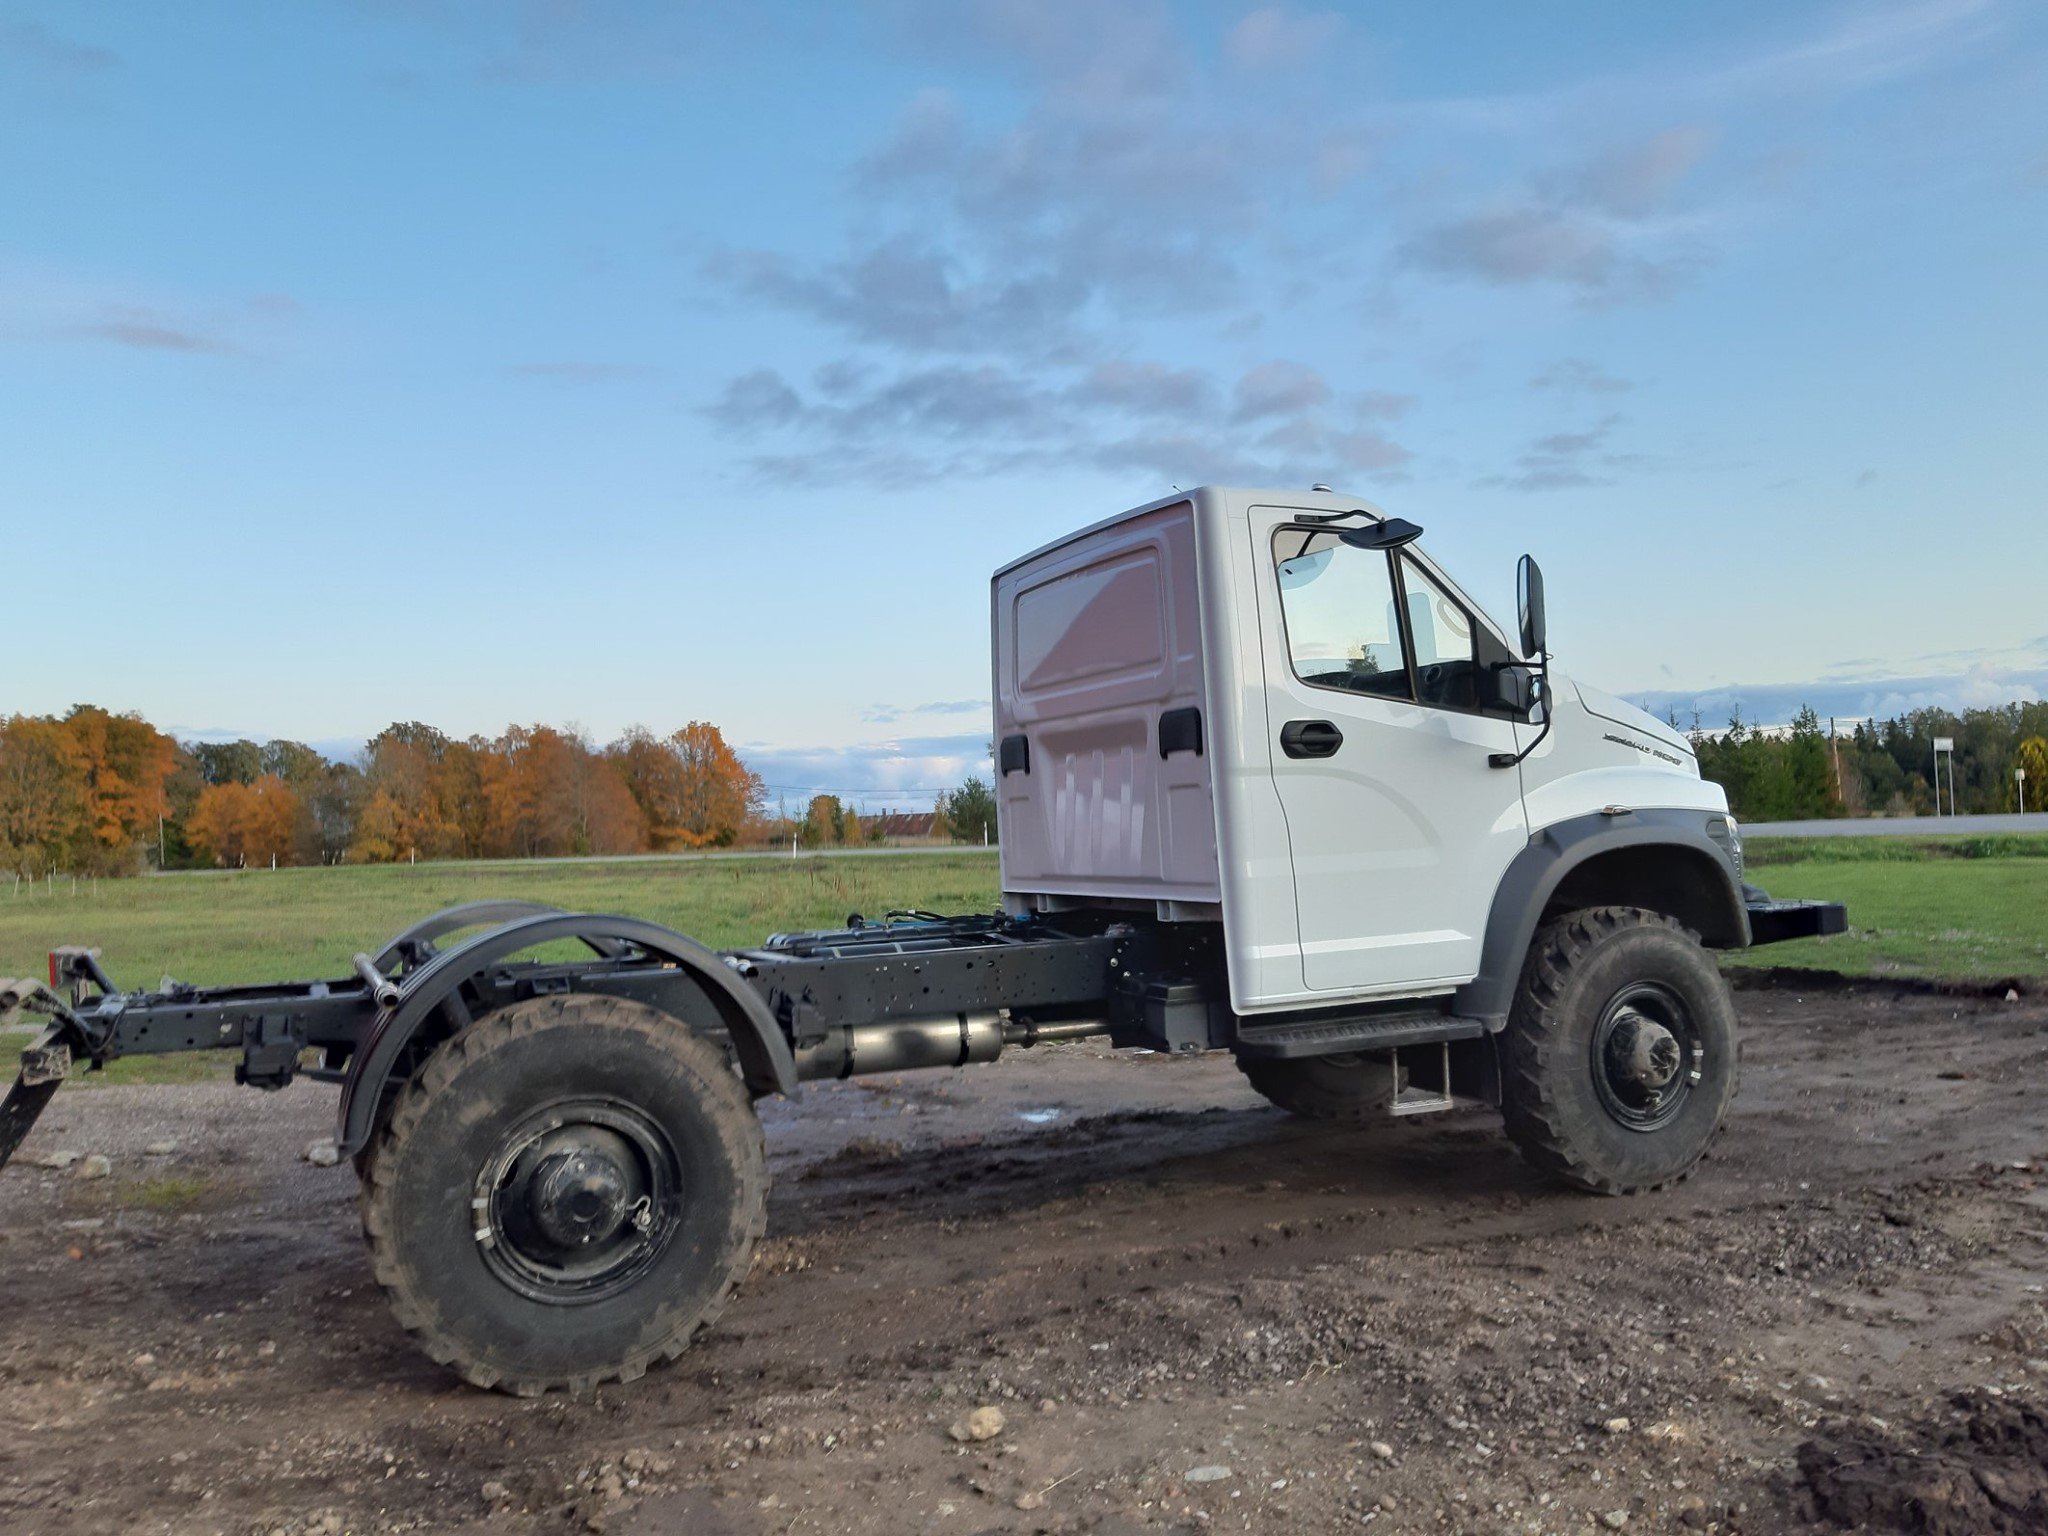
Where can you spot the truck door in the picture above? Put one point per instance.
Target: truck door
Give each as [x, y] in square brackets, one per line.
[1399, 827]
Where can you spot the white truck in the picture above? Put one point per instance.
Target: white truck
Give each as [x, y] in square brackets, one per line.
[1269, 782]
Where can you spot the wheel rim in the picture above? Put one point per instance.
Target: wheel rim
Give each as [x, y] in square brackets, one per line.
[578, 1202]
[1647, 1056]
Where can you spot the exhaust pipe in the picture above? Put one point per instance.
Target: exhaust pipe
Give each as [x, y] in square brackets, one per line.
[952, 1040]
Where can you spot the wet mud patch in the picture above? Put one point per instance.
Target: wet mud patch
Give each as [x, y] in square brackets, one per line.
[1979, 1470]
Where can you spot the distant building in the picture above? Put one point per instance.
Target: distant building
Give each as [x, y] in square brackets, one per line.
[901, 827]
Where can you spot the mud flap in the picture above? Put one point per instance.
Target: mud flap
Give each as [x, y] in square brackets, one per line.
[19, 1111]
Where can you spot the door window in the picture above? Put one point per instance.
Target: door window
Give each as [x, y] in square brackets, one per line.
[1446, 670]
[1337, 602]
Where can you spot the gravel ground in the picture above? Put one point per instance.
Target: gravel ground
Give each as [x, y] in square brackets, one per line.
[1187, 1312]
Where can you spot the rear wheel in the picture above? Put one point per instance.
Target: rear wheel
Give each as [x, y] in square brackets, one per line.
[565, 1193]
[1349, 1088]
[1619, 1059]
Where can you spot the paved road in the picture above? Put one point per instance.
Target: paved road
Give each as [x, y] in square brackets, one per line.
[702, 856]
[1900, 826]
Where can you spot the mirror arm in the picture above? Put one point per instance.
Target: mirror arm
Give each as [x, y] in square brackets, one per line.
[1514, 759]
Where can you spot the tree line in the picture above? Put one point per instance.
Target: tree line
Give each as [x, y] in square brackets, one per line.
[1881, 768]
[93, 792]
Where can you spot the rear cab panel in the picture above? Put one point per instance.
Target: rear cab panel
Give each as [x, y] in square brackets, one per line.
[1101, 710]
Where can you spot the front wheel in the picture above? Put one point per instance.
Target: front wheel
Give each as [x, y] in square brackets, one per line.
[565, 1193]
[1619, 1059]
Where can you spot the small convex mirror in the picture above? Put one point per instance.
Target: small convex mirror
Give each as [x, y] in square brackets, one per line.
[1529, 606]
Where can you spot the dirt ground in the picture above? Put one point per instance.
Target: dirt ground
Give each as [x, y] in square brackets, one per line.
[1192, 1313]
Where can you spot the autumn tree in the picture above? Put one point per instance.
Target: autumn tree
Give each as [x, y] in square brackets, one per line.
[2032, 759]
[127, 763]
[246, 825]
[42, 793]
[691, 787]
[548, 794]
[401, 776]
[820, 827]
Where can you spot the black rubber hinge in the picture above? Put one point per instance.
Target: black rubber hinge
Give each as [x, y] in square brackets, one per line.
[1180, 730]
[1014, 756]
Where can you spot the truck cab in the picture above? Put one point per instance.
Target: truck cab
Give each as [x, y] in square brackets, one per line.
[1258, 709]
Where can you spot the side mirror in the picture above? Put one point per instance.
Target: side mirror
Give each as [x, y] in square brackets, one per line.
[1529, 607]
[1391, 533]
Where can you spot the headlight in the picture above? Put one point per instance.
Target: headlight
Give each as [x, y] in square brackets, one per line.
[1726, 831]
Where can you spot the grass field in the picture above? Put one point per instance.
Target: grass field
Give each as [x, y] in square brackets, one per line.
[1953, 910]
[1966, 909]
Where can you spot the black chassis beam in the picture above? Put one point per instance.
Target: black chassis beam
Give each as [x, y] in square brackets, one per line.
[929, 967]
[813, 983]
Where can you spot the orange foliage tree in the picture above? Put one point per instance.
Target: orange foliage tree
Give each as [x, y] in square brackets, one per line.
[246, 825]
[127, 763]
[691, 787]
[42, 794]
[547, 793]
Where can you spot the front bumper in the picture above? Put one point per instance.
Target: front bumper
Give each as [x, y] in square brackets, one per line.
[1773, 922]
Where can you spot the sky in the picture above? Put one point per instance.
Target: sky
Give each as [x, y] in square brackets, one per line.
[476, 361]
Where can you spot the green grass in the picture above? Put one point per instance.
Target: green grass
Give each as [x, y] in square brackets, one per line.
[294, 924]
[1765, 852]
[1957, 918]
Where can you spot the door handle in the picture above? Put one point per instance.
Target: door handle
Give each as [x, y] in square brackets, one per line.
[1310, 738]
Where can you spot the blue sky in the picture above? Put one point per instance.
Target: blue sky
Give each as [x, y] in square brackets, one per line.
[602, 363]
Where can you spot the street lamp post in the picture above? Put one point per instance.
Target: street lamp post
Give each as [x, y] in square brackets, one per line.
[1945, 744]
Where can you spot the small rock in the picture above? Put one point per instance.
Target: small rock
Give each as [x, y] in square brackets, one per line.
[1389, 1503]
[143, 1361]
[2011, 996]
[977, 1424]
[1614, 1519]
[160, 1149]
[57, 1161]
[1207, 1474]
[495, 1492]
[97, 1166]
[1381, 1449]
[322, 1153]
[1616, 1426]
[1030, 1500]
[1692, 1511]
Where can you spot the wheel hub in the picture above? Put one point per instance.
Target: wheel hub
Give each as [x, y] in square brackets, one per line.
[579, 1195]
[1647, 1056]
[578, 1201]
[1643, 1051]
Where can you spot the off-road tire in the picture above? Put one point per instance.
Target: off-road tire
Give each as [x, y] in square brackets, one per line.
[471, 1093]
[1346, 1089]
[1554, 1111]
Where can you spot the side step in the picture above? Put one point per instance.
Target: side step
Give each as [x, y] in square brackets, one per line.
[1371, 1032]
